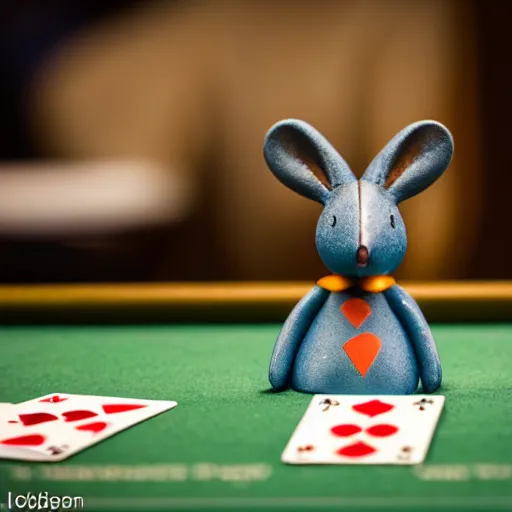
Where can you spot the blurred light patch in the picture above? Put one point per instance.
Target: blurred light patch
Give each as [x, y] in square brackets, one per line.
[98, 198]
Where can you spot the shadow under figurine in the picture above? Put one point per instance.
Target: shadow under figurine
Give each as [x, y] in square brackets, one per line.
[357, 331]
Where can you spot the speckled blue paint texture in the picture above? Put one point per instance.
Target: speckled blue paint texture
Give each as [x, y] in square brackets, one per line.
[309, 353]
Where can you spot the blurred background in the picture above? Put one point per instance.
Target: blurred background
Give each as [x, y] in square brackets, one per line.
[131, 133]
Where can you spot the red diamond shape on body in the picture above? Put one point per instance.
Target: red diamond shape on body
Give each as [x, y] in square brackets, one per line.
[373, 408]
[356, 311]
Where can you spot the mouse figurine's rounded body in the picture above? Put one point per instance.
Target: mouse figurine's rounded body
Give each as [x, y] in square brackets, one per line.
[357, 331]
[337, 354]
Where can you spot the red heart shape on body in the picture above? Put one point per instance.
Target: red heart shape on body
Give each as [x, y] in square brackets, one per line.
[116, 408]
[36, 418]
[30, 440]
[78, 415]
[95, 427]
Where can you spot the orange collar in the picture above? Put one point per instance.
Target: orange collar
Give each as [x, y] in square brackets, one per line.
[374, 284]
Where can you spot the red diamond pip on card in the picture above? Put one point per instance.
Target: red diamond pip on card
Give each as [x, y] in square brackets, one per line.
[373, 407]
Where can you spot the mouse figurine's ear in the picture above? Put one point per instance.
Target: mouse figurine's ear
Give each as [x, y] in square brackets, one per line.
[412, 160]
[304, 160]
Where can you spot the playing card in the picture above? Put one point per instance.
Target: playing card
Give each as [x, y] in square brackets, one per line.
[353, 429]
[55, 426]
[6, 411]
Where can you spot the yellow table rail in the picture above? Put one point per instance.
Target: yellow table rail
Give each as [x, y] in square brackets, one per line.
[229, 302]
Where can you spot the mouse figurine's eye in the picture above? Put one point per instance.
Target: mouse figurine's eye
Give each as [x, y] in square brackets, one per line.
[392, 220]
[332, 221]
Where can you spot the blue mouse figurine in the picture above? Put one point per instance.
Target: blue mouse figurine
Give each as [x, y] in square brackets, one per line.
[357, 331]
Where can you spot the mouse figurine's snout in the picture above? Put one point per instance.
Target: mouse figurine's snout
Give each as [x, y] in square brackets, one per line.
[357, 331]
[362, 256]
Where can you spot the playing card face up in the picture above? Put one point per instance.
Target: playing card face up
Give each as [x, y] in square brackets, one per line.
[55, 426]
[4, 407]
[7, 412]
[352, 429]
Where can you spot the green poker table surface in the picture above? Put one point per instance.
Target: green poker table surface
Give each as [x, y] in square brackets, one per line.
[208, 347]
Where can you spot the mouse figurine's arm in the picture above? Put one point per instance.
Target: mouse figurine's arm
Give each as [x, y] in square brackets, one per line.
[292, 333]
[294, 151]
[414, 323]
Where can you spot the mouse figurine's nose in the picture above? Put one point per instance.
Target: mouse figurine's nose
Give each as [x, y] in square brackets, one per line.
[362, 256]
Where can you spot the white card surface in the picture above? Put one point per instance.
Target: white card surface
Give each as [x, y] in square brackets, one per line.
[55, 426]
[364, 429]
[6, 411]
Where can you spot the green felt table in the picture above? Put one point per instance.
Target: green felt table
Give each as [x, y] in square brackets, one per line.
[220, 448]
